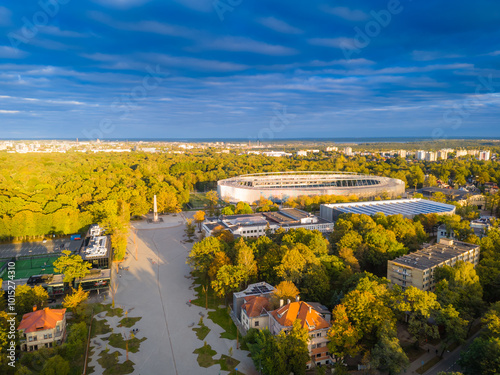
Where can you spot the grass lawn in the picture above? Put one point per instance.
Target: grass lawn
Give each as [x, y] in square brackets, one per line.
[99, 327]
[109, 362]
[205, 354]
[118, 341]
[201, 331]
[98, 307]
[198, 200]
[428, 365]
[129, 322]
[221, 317]
[213, 301]
[227, 363]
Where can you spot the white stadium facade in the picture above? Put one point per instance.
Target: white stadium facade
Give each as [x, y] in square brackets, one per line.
[279, 186]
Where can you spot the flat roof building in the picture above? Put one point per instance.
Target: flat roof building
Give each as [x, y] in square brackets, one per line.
[417, 268]
[255, 225]
[409, 208]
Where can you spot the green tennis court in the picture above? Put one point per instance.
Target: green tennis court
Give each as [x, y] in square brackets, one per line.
[26, 267]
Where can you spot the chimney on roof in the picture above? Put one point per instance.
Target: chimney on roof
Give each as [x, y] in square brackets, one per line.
[287, 301]
[297, 299]
[281, 302]
[310, 309]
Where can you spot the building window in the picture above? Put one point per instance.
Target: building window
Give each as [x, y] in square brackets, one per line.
[318, 355]
[45, 337]
[257, 323]
[34, 338]
[318, 335]
[50, 335]
[30, 338]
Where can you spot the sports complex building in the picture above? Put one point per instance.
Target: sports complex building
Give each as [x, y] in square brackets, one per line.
[279, 186]
[409, 208]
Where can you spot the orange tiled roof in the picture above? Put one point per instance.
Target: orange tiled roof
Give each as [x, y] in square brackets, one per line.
[41, 320]
[254, 305]
[309, 317]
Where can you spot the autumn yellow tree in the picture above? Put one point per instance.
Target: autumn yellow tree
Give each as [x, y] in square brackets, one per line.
[199, 217]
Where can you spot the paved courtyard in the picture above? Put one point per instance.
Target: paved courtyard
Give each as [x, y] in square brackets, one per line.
[156, 287]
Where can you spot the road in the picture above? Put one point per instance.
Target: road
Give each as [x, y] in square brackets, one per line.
[449, 362]
[38, 248]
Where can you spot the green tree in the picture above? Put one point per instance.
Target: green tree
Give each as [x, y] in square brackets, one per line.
[228, 279]
[420, 305]
[245, 260]
[72, 266]
[203, 254]
[243, 208]
[387, 355]
[228, 210]
[294, 345]
[28, 298]
[56, 365]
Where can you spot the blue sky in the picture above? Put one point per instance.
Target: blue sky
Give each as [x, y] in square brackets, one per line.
[249, 69]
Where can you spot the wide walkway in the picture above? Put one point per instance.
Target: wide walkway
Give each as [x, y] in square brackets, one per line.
[156, 287]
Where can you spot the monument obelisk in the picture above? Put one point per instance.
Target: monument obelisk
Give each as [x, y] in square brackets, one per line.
[155, 211]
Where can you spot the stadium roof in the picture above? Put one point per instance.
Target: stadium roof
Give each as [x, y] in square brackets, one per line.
[405, 207]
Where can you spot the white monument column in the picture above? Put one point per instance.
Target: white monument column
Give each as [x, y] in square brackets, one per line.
[155, 210]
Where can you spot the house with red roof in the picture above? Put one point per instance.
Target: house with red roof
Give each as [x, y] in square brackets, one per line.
[282, 320]
[42, 328]
[254, 312]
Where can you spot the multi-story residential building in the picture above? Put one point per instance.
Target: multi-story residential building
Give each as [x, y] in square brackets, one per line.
[402, 153]
[282, 319]
[420, 155]
[417, 268]
[442, 154]
[254, 312]
[348, 151]
[331, 149]
[484, 155]
[42, 328]
[430, 156]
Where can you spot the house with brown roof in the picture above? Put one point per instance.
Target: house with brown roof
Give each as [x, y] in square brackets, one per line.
[282, 320]
[42, 328]
[254, 312]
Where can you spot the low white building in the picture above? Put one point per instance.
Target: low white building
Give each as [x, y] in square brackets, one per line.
[256, 225]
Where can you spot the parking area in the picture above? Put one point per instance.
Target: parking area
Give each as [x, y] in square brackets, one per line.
[38, 248]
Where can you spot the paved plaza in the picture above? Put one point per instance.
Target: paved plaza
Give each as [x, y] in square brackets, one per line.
[157, 289]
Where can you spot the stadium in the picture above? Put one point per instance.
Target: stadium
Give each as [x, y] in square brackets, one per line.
[279, 186]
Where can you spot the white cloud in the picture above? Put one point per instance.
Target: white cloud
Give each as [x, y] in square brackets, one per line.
[5, 111]
[432, 55]
[346, 13]
[340, 42]
[5, 15]
[279, 25]
[11, 53]
[241, 44]
[56, 31]
[123, 4]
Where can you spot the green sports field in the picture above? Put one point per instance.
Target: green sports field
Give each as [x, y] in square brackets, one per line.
[29, 266]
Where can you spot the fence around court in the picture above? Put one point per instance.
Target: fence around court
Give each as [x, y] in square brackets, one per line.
[33, 265]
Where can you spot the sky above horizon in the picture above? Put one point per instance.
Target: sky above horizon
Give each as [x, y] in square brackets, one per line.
[255, 70]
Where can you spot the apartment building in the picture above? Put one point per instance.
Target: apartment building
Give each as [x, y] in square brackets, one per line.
[282, 320]
[42, 329]
[417, 268]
